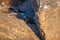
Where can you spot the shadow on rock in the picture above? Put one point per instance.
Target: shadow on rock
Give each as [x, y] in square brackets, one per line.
[30, 21]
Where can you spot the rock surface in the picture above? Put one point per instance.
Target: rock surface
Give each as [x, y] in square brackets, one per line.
[50, 23]
[49, 18]
[12, 28]
[4, 5]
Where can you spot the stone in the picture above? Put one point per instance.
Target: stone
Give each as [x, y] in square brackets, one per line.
[4, 5]
[48, 18]
[12, 28]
